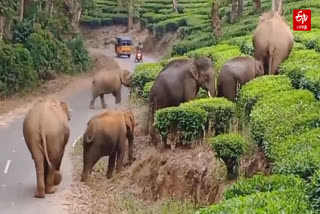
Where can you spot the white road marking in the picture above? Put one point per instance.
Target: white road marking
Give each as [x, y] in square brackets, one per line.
[7, 167]
[75, 142]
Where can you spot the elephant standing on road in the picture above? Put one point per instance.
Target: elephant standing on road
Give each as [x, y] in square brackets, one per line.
[106, 82]
[240, 70]
[179, 82]
[273, 41]
[106, 135]
[46, 132]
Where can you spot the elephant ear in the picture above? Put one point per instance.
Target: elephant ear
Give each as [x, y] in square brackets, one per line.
[90, 131]
[193, 70]
[125, 77]
[66, 109]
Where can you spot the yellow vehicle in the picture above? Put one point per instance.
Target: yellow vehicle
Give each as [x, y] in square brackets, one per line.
[123, 46]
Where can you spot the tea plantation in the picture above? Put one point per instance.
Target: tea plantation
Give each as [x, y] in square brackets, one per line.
[281, 113]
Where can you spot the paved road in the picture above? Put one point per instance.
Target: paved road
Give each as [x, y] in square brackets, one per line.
[17, 172]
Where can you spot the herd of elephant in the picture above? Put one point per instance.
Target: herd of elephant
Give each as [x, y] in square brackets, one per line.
[46, 130]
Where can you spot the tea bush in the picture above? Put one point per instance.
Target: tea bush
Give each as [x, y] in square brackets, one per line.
[146, 90]
[244, 43]
[203, 40]
[275, 117]
[16, 69]
[220, 111]
[297, 154]
[310, 39]
[311, 81]
[254, 90]
[229, 148]
[187, 123]
[296, 65]
[220, 54]
[168, 25]
[144, 73]
[314, 190]
[289, 201]
[261, 183]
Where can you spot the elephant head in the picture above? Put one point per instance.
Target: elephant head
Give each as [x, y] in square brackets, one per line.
[66, 109]
[204, 74]
[259, 69]
[125, 78]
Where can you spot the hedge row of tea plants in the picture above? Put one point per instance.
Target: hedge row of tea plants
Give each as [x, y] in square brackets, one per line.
[189, 121]
[261, 194]
[104, 13]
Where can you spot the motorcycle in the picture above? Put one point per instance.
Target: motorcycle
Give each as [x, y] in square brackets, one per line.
[138, 56]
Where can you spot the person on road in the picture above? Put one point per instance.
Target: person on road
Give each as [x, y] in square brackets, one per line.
[139, 47]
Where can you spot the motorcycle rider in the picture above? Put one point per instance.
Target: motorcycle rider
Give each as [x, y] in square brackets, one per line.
[139, 47]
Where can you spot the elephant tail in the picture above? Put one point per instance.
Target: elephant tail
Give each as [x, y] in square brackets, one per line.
[271, 55]
[45, 149]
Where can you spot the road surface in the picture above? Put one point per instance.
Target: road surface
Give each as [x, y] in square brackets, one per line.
[17, 171]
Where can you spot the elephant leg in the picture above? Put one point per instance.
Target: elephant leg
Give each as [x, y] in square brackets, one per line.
[112, 161]
[103, 104]
[40, 170]
[90, 160]
[50, 188]
[94, 97]
[120, 154]
[117, 95]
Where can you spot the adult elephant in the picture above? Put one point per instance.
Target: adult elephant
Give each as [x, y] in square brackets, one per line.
[273, 41]
[106, 135]
[179, 82]
[106, 82]
[46, 133]
[238, 70]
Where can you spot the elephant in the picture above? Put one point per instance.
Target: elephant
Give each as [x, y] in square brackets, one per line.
[178, 82]
[273, 41]
[46, 133]
[105, 82]
[240, 70]
[106, 135]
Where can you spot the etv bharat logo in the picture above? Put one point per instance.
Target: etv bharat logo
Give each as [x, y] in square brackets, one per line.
[301, 20]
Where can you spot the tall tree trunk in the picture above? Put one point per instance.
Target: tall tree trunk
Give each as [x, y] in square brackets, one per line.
[279, 6]
[256, 6]
[240, 8]
[47, 4]
[21, 9]
[233, 11]
[1, 27]
[273, 4]
[215, 19]
[130, 16]
[175, 6]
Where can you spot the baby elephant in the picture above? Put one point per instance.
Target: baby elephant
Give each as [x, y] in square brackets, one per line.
[106, 135]
[238, 70]
[106, 82]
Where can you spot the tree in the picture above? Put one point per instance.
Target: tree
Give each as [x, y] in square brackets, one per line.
[215, 18]
[21, 9]
[175, 6]
[233, 10]
[131, 5]
[240, 8]
[277, 6]
[256, 6]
